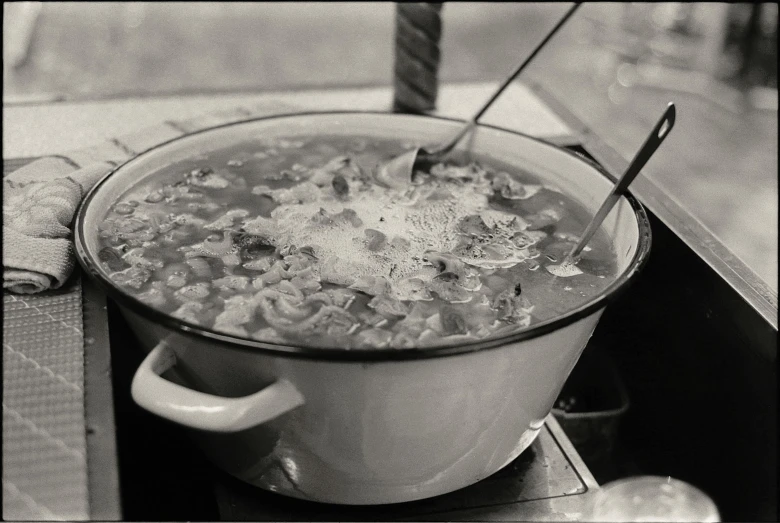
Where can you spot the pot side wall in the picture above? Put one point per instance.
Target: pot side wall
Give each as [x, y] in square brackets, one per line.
[378, 432]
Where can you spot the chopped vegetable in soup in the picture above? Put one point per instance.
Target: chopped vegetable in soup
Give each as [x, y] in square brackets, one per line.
[308, 240]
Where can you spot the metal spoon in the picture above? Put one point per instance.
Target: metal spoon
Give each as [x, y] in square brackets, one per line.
[398, 171]
[656, 137]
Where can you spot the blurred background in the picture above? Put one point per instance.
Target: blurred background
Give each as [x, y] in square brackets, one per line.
[614, 65]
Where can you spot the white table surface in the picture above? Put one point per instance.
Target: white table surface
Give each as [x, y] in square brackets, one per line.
[50, 128]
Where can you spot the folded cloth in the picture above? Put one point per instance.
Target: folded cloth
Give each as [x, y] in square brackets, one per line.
[40, 199]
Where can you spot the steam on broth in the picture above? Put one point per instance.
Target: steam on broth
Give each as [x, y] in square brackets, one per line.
[303, 240]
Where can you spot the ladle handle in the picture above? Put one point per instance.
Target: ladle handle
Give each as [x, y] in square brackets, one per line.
[449, 145]
[656, 138]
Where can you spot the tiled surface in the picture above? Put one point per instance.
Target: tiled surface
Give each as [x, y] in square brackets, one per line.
[44, 442]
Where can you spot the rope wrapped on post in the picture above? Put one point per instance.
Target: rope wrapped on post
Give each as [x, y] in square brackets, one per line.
[417, 36]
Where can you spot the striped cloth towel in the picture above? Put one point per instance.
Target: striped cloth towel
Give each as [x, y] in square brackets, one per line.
[40, 199]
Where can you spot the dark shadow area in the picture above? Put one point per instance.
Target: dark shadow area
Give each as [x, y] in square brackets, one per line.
[162, 475]
[700, 368]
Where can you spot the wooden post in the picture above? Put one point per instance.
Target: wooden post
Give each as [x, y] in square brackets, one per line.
[417, 36]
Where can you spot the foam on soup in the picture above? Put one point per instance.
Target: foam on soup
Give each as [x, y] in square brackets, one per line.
[305, 241]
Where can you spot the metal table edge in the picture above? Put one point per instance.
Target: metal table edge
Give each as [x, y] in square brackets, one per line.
[688, 228]
[102, 457]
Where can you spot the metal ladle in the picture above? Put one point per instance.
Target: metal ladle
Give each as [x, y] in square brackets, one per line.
[656, 137]
[398, 171]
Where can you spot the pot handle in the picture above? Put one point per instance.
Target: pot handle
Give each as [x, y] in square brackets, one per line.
[199, 410]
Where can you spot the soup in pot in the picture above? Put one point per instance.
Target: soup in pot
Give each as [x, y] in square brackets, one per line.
[310, 241]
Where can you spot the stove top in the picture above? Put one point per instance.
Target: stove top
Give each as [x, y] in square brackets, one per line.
[547, 482]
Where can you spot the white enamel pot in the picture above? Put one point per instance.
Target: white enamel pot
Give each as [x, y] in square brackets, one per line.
[361, 426]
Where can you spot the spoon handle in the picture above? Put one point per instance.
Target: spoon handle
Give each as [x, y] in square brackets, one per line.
[449, 145]
[656, 137]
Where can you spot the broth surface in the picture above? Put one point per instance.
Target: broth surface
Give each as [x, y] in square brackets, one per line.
[309, 240]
